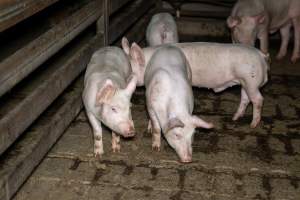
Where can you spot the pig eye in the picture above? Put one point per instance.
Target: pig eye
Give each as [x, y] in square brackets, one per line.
[178, 136]
[114, 109]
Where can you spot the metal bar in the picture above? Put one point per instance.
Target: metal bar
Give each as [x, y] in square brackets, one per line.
[106, 22]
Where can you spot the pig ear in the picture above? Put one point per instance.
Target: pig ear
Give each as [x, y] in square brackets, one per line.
[137, 54]
[260, 18]
[174, 123]
[233, 21]
[130, 88]
[105, 93]
[201, 123]
[125, 45]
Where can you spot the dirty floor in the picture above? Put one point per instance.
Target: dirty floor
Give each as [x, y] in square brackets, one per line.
[230, 162]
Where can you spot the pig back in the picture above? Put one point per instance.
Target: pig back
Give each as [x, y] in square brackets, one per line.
[109, 61]
[162, 29]
[219, 62]
[169, 59]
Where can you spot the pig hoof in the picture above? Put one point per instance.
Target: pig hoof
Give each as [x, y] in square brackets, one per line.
[279, 57]
[253, 124]
[98, 156]
[294, 59]
[156, 148]
[235, 118]
[116, 149]
[186, 161]
[98, 153]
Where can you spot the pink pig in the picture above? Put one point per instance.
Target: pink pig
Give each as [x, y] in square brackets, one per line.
[252, 19]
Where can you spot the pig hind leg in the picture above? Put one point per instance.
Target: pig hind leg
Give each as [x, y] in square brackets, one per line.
[257, 101]
[115, 142]
[156, 130]
[243, 105]
[97, 130]
[285, 37]
[296, 51]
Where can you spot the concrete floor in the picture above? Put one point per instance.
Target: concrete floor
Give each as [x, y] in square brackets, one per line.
[230, 162]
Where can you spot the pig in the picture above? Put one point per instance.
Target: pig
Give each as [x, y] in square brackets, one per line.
[215, 66]
[170, 101]
[252, 19]
[108, 87]
[162, 29]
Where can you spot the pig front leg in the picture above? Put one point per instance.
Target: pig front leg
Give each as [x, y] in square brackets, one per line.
[257, 101]
[264, 41]
[156, 130]
[285, 37]
[296, 51]
[243, 105]
[149, 128]
[97, 130]
[115, 142]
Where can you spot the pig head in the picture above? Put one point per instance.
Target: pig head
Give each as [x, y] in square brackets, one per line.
[180, 133]
[255, 19]
[114, 105]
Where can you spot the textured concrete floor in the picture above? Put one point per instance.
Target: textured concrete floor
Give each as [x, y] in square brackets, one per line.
[230, 162]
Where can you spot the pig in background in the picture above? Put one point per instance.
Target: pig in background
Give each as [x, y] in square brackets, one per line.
[108, 87]
[162, 29]
[216, 66]
[255, 19]
[170, 101]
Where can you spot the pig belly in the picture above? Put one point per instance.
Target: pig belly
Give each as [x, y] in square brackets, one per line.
[217, 78]
[215, 81]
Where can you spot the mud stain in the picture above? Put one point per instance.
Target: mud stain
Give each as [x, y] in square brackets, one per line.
[118, 196]
[98, 174]
[207, 143]
[289, 149]
[182, 174]
[128, 170]
[76, 164]
[295, 183]
[177, 195]
[239, 181]
[279, 114]
[267, 186]
[262, 150]
[154, 172]
[144, 188]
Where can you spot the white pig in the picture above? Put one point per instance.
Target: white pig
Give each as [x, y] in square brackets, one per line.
[170, 101]
[216, 66]
[252, 19]
[107, 95]
[162, 29]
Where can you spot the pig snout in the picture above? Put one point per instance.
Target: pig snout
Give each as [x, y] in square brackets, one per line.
[186, 159]
[127, 129]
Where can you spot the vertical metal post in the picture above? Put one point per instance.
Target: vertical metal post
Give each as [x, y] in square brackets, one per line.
[103, 22]
[106, 22]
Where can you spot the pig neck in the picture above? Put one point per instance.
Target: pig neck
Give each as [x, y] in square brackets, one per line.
[180, 102]
[148, 52]
[175, 111]
[119, 80]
